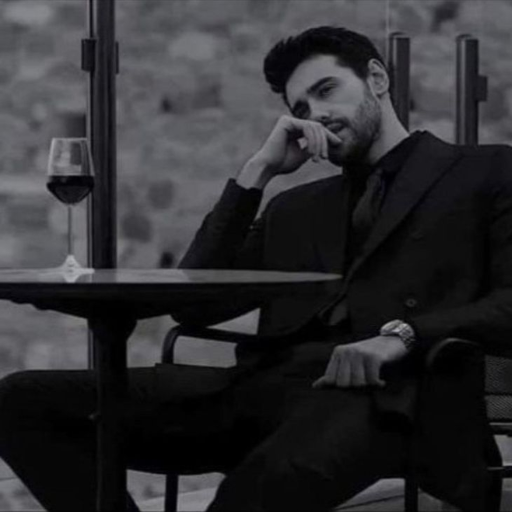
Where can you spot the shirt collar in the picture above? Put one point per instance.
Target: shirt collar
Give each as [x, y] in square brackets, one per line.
[391, 162]
[396, 157]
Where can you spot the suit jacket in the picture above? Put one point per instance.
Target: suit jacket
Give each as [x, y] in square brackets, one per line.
[439, 257]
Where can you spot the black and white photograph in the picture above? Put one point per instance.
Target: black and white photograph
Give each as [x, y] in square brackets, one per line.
[223, 222]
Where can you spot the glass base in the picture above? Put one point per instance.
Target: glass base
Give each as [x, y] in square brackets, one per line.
[71, 270]
[71, 266]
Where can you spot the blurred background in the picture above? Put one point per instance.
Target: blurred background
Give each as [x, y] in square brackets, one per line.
[192, 108]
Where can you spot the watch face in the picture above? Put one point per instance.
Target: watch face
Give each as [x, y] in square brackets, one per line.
[399, 328]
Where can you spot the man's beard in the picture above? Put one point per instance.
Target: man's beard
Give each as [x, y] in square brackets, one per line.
[360, 133]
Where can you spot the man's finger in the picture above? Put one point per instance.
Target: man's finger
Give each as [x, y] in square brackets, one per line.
[321, 382]
[343, 376]
[324, 144]
[329, 377]
[332, 137]
[313, 142]
[319, 144]
[373, 367]
[332, 368]
[357, 372]
[320, 137]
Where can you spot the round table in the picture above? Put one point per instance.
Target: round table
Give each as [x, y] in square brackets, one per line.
[114, 299]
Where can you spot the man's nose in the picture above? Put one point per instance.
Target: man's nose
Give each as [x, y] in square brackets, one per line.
[318, 112]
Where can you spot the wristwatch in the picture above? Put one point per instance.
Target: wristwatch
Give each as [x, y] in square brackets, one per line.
[401, 329]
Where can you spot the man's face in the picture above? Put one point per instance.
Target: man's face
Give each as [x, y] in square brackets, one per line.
[321, 90]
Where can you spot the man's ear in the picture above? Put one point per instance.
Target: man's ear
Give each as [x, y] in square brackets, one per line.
[378, 78]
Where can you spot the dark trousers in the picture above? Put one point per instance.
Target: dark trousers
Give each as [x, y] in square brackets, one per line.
[282, 444]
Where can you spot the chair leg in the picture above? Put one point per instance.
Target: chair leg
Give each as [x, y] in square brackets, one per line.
[171, 493]
[493, 499]
[411, 494]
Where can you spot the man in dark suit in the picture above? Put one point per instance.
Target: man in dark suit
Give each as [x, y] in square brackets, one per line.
[421, 231]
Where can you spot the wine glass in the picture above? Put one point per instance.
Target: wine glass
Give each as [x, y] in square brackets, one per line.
[70, 180]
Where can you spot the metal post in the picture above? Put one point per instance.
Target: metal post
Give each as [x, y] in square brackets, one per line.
[399, 62]
[100, 56]
[100, 59]
[471, 90]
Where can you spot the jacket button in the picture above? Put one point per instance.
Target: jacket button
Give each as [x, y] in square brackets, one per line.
[411, 303]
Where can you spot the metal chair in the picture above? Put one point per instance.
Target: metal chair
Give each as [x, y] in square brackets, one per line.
[498, 387]
[498, 399]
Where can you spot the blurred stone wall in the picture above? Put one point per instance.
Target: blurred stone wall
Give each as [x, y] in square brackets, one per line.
[192, 107]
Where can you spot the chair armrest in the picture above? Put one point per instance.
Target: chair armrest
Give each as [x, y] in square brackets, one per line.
[209, 333]
[445, 352]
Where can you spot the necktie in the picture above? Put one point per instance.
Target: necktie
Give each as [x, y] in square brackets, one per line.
[363, 218]
[368, 207]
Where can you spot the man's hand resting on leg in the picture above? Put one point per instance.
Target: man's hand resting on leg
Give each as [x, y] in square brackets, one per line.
[359, 364]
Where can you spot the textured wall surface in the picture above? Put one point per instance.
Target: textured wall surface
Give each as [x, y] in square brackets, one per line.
[192, 107]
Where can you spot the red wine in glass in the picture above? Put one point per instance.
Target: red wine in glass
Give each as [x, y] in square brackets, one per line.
[70, 189]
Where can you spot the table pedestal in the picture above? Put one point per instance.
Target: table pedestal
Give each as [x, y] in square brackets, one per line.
[111, 333]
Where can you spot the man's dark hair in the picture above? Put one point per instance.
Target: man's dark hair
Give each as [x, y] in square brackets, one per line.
[352, 50]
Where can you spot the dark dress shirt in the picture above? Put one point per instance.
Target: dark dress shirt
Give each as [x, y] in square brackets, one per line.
[390, 164]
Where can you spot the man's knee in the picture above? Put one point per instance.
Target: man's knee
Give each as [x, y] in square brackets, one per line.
[24, 396]
[264, 482]
[13, 389]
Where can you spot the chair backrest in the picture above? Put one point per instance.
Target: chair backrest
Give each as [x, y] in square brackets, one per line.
[498, 388]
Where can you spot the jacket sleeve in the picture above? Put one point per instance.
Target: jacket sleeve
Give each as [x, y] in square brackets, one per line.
[229, 238]
[489, 319]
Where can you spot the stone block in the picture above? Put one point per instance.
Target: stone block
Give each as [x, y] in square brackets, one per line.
[196, 46]
[486, 18]
[411, 17]
[71, 14]
[160, 194]
[10, 247]
[9, 36]
[433, 94]
[242, 93]
[26, 214]
[219, 14]
[34, 68]
[245, 37]
[30, 13]
[190, 87]
[136, 226]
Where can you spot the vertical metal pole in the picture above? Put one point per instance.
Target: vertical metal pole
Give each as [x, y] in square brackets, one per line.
[100, 59]
[471, 90]
[399, 63]
[88, 47]
[103, 249]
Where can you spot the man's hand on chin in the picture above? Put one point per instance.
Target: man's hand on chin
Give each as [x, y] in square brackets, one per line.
[359, 364]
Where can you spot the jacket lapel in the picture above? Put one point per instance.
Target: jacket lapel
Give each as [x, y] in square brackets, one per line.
[429, 161]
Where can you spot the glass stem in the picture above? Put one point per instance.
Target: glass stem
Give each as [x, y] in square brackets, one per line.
[70, 231]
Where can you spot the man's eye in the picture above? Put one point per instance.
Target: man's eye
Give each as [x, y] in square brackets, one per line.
[324, 91]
